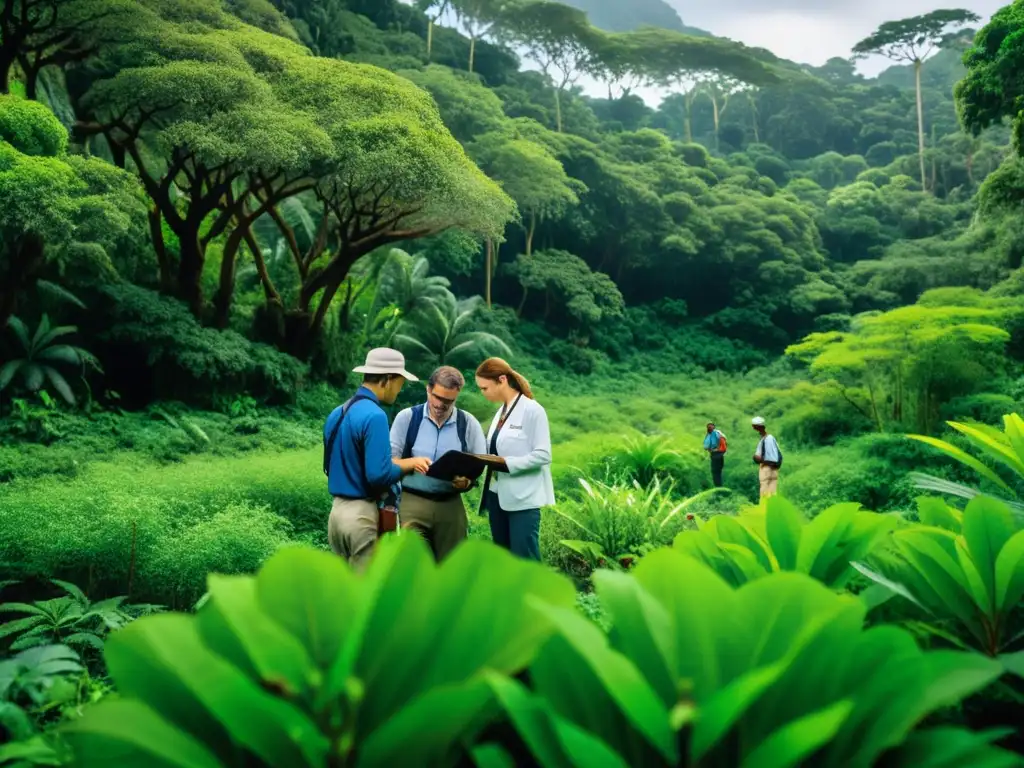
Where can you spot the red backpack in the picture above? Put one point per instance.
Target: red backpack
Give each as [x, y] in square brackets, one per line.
[722, 445]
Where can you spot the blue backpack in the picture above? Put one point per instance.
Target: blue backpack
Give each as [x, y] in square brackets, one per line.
[461, 426]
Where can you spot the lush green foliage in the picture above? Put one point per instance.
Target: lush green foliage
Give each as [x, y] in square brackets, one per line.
[309, 682]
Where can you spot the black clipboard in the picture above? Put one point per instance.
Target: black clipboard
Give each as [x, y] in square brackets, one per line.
[458, 464]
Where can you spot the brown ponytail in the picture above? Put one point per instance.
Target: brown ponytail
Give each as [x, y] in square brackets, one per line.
[494, 368]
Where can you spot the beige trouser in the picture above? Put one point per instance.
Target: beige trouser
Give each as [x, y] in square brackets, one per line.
[769, 477]
[442, 523]
[352, 530]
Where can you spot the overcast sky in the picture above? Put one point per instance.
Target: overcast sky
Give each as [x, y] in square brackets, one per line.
[812, 31]
[805, 31]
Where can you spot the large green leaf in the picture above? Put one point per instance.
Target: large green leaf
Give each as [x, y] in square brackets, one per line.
[417, 736]
[952, 748]
[943, 575]
[208, 696]
[608, 695]
[128, 733]
[937, 513]
[791, 744]
[784, 526]
[987, 526]
[963, 458]
[728, 531]
[708, 626]
[313, 595]
[233, 625]
[1009, 572]
[823, 540]
[448, 628]
[717, 716]
[554, 741]
[641, 631]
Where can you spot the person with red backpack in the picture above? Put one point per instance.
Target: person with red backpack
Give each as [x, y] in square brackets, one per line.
[716, 446]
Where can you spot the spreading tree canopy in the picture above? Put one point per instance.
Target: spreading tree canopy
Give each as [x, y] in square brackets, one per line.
[913, 40]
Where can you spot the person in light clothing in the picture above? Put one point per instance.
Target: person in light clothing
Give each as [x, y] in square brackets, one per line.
[433, 508]
[520, 435]
[768, 457]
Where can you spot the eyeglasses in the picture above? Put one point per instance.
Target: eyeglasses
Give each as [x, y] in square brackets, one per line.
[442, 400]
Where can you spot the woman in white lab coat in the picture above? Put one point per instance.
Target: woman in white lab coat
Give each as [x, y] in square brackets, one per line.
[520, 435]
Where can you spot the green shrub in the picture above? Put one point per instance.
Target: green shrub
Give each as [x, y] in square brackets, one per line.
[692, 672]
[166, 353]
[235, 540]
[107, 527]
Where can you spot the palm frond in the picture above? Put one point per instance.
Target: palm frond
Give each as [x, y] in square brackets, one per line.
[61, 353]
[59, 292]
[21, 331]
[60, 384]
[33, 376]
[9, 371]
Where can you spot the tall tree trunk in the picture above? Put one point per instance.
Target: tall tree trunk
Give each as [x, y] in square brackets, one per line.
[487, 267]
[226, 287]
[970, 164]
[558, 109]
[190, 269]
[920, 121]
[430, 38]
[714, 107]
[472, 53]
[530, 232]
[7, 57]
[522, 302]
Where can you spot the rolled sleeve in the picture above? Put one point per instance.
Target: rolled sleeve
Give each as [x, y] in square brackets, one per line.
[540, 446]
[398, 432]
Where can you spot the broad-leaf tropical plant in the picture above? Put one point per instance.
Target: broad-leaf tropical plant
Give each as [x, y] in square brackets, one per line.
[42, 359]
[1005, 448]
[71, 619]
[405, 291]
[694, 672]
[776, 537]
[620, 522]
[442, 334]
[309, 664]
[965, 570]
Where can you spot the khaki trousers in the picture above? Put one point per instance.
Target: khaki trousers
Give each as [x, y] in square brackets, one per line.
[352, 530]
[442, 523]
[769, 477]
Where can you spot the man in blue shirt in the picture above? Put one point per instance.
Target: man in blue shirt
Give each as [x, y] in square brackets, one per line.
[357, 459]
[432, 507]
[713, 445]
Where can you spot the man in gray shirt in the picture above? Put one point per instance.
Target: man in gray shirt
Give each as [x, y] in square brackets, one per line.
[432, 507]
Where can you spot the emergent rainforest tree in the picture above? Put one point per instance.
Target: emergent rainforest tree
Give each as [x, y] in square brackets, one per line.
[559, 39]
[397, 174]
[913, 40]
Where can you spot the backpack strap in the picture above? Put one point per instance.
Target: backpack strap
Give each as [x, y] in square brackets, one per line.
[462, 425]
[329, 442]
[414, 430]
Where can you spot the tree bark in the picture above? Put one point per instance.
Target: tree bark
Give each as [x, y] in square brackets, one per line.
[430, 38]
[530, 232]
[558, 110]
[472, 53]
[163, 260]
[190, 268]
[226, 286]
[522, 302]
[920, 121]
[487, 267]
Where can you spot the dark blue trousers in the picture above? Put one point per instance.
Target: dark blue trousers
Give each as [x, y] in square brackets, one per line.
[518, 532]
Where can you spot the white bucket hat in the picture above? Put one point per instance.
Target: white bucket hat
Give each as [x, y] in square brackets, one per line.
[385, 360]
[757, 421]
